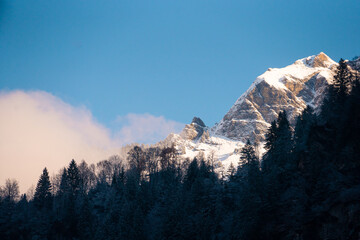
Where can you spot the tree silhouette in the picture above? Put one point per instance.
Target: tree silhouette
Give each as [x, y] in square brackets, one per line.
[42, 197]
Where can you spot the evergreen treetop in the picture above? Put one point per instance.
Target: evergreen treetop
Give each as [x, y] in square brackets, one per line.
[43, 190]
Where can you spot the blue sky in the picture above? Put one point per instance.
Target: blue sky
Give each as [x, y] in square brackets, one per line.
[79, 78]
[176, 59]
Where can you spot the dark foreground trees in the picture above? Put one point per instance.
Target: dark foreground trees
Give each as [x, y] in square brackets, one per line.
[42, 197]
[307, 186]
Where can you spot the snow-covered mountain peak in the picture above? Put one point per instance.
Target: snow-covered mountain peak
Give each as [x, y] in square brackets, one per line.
[290, 88]
[300, 69]
[321, 60]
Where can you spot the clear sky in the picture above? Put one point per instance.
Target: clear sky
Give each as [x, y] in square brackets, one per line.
[81, 76]
[176, 59]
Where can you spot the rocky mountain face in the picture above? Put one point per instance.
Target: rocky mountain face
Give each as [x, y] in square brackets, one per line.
[291, 88]
[195, 130]
[355, 64]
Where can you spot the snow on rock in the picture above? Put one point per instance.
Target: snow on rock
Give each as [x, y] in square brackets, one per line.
[290, 88]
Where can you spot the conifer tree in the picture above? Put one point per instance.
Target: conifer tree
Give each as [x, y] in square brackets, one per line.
[302, 128]
[73, 177]
[42, 195]
[342, 80]
[245, 191]
[250, 164]
[271, 136]
[284, 134]
[306, 121]
[191, 174]
[64, 184]
[277, 173]
[248, 155]
[85, 227]
[333, 105]
[278, 143]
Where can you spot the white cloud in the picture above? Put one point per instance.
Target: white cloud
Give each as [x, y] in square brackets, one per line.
[38, 129]
[145, 128]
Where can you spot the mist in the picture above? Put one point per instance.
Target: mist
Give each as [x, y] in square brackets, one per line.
[40, 130]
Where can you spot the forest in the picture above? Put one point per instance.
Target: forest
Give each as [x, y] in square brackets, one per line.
[306, 186]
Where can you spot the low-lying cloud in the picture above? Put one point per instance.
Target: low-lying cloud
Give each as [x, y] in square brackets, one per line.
[38, 129]
[145, 128]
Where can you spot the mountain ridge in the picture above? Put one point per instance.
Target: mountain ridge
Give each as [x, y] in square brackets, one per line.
[290, 88]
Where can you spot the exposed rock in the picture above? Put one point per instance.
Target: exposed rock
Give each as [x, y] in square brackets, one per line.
[194, 130]
[355, 64]
[198, 121]
[321, 60]
[290, 88]
[291, 91]
[205, 136]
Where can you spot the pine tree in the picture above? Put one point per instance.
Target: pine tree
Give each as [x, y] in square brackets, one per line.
[250, 165]
[42, 197]
[191, 174]
[64, 184]
[73, 177]
[277, 169]
[248, 155]
[342, 80]
[333, 105]
[278, 143]
[353, 126]
[65, 202]
[271, 136]
[306, 121]
[284, 134]
[85, 227]
[302, 128]
[245, 190]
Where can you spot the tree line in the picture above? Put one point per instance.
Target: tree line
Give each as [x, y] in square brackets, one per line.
[306, 186]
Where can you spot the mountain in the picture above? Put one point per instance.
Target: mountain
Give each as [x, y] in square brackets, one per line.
[291, 88]
[355, 64]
